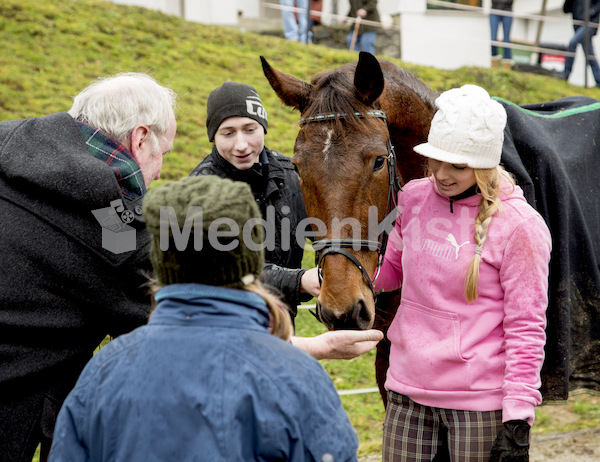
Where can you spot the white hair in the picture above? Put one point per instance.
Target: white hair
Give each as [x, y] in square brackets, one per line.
[118, 104]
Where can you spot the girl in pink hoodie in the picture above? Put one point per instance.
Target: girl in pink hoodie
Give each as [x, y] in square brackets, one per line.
[471, 256]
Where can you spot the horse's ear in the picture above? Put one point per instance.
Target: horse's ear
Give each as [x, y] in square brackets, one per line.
[291, 91]
[368, 78]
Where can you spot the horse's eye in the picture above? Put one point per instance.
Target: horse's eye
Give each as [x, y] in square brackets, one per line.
[379, 162]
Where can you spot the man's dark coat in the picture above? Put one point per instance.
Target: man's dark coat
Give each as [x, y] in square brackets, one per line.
[61, 292]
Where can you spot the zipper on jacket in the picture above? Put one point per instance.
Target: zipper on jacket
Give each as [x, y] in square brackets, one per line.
[451, 202]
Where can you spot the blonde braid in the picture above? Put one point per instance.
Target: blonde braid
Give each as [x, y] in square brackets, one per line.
[488, 183]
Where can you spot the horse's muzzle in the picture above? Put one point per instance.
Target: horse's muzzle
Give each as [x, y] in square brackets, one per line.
[358, 318]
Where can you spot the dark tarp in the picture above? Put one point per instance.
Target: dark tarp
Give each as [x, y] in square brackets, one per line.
[553, 149]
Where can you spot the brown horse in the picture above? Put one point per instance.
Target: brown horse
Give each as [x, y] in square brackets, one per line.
[346, 164]
[338, 108]
[345, 100]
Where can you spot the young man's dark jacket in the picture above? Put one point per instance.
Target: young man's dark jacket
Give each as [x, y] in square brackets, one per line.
[274, 183]
[61, 292]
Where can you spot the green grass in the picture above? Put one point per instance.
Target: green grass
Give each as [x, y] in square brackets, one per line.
[51, 50]
[581, 411]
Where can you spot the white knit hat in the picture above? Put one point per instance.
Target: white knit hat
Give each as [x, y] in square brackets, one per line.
[468, 128]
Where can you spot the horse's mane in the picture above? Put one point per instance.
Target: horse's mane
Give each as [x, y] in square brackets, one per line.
[333, 91]
[421, 89]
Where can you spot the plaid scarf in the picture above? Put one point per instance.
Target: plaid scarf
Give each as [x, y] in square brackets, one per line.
[116, 156]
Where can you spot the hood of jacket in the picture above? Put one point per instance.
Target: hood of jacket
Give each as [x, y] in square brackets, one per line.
[48, 156]
[47, 169]
[200, 304]
[470, 198]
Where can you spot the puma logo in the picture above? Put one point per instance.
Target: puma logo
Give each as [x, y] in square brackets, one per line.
[452, 241]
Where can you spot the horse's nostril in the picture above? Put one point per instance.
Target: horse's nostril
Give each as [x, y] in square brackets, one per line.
[358, 318]
[361, 315]
[325, 316]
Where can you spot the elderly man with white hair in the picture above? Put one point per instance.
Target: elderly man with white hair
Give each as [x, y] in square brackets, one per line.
[62, 290]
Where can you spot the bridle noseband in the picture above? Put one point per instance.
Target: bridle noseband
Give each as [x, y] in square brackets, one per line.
[324, 247]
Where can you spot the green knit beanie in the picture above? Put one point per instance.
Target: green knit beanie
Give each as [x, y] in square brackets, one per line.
[201, 221]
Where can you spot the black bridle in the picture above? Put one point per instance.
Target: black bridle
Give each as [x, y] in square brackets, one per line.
[324, 247]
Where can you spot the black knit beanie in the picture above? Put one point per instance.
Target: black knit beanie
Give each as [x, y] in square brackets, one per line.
[201, 249]
[233, 99]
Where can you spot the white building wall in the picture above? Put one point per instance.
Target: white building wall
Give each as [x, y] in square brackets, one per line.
[249, 8]
[446, 40]
[452, 39]
[221, 12]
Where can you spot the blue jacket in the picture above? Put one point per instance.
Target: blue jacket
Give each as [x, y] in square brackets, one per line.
[205, 381]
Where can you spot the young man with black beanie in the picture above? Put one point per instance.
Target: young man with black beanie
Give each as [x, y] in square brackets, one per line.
[237, 123]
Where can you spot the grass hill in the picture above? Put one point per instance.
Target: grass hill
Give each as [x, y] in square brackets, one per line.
[52, 50]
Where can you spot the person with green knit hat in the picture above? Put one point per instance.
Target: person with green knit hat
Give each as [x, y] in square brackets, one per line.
[214, 363]
[167, 210]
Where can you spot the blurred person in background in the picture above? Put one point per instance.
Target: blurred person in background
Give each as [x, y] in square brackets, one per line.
[577, 9]
[506, 21]
[363, 35]
[296, 24]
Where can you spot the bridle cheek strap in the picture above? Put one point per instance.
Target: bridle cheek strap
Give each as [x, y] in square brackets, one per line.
[353, 259]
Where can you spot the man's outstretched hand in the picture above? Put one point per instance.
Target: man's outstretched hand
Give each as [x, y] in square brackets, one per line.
[339, 344]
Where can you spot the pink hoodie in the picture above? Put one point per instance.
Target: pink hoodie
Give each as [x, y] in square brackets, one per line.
[448, 353]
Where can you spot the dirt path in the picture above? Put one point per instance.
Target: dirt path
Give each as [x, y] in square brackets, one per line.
[580, 446]
[550, 445]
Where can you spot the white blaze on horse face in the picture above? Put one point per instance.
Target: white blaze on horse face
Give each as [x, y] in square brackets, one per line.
[327, 144]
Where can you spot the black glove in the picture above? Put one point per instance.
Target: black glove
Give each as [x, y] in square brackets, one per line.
[512, 443]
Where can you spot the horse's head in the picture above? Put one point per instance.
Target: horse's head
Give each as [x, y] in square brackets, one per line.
[342, 155]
